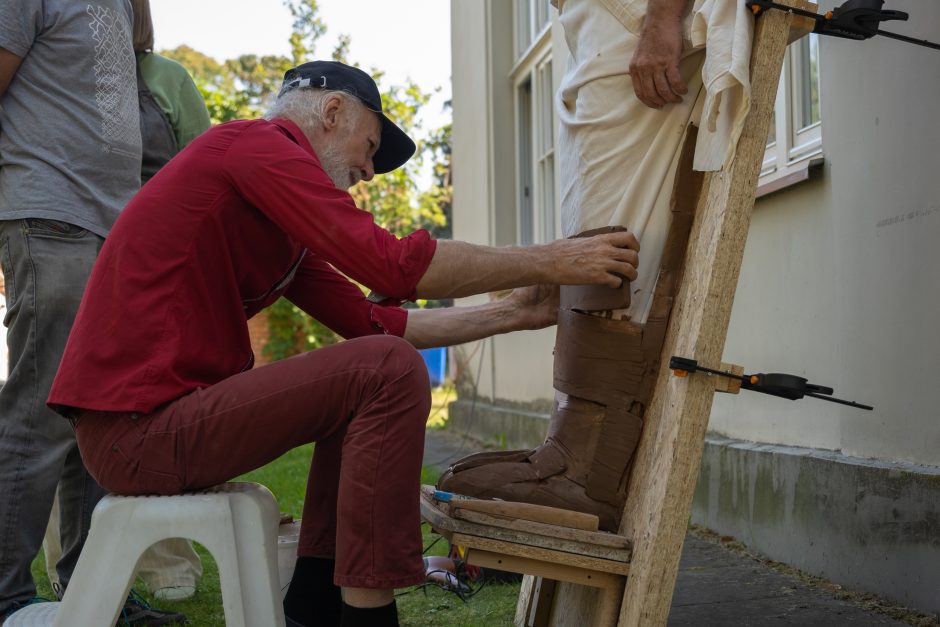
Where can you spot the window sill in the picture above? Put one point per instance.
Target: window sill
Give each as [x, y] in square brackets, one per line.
[802, 171]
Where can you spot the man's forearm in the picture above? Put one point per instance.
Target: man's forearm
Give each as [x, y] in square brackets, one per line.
[460, 269]
[430, 328]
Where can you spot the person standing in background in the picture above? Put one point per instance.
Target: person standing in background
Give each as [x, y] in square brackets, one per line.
[69, 162]
[172, 114]
[172, 111]
[70, 159]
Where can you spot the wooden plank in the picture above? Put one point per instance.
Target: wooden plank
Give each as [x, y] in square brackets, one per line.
[727, 384]
[585, 607]
[801, 26]
[542, 607]
[598, 539]
[557, 571]
[441, 522]
[546, 542]
[526, 601]
[532, 513]
[535, 553]
[668, 458]
[535, 601]
[542, 514]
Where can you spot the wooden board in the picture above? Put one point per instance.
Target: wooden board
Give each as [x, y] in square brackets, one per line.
[727, 384]
[553, 570]
[534, 602]
[550, 516]
[598, 539]
[510, 550]
[596, 544]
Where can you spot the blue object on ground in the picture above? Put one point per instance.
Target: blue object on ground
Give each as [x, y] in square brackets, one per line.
[436, 361]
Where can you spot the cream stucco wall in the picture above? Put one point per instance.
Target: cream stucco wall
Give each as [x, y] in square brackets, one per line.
[841, 276]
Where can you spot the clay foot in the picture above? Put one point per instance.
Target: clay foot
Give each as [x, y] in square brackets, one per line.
[533, 476]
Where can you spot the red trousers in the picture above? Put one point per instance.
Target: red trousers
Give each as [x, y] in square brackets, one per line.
[364, 402]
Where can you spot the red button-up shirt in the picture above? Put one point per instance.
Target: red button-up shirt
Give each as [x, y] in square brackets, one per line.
[243, 215]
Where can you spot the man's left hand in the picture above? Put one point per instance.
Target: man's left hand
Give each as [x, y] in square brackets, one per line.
[654, 68]
[536, 305]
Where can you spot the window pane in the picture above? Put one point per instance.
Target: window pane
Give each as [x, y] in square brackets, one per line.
[546, 117]
[548, 198]
[524, 143]
[809, 81]
[772, 134]
[523, 26]
[532, 16]
[542, 15]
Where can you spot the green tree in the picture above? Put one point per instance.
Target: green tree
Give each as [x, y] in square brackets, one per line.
[243, 88]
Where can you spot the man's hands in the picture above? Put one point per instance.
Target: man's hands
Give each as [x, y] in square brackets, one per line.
[525, 308]
[654, 68]
[536, 306]
[599, 260]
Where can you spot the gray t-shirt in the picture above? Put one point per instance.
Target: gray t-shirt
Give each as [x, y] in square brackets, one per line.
[69, 126]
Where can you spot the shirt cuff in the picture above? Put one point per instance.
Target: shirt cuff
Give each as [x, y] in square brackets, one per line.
[388, 320]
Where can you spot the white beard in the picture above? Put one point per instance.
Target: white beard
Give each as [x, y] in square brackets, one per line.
[331, 160]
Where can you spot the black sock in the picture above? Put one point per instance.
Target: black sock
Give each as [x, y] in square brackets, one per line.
[313, 600]
[385, 616]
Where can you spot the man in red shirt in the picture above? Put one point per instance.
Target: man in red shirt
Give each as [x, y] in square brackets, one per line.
[157, 376]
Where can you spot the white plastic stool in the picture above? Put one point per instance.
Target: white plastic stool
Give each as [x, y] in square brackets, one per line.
[236, 522]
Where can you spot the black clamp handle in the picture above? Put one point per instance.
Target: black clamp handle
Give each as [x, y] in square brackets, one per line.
[853, 19]
[789, 386]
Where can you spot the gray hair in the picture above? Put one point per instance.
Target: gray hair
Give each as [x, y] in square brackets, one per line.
[305, 106]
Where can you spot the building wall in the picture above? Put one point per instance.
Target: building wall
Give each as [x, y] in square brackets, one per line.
[839, 285]
[839, 280]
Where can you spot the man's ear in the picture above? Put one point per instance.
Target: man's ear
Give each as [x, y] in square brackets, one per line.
[332, 111]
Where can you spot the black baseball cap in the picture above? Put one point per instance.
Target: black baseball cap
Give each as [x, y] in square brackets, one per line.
[395, 147]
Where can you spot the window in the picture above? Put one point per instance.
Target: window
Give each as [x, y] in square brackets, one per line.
[535, 123]
[795, 136]
[532, 17]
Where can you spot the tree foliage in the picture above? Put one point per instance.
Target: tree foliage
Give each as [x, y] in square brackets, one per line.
[245, 86]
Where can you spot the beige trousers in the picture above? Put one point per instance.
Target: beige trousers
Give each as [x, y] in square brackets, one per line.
[168, 563]
[617, 157]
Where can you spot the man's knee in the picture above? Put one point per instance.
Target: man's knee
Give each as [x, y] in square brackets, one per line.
[402, 366]
[400, 355]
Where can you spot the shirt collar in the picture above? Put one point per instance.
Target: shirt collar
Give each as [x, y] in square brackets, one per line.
[295, 133]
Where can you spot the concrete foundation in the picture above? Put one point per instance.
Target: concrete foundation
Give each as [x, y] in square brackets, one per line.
[506, 425]
[866, 524]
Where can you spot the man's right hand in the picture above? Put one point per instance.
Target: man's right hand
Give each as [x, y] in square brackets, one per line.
[654, 68]
[598, 260]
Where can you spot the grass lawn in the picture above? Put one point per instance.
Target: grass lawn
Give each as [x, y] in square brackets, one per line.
[286, 477]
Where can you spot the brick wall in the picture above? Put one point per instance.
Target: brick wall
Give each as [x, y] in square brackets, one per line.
[258, 331]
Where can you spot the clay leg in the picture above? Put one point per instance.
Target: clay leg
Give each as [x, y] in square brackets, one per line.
[604, 372]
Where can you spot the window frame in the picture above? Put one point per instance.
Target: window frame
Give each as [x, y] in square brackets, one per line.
[794, 150]
[536, 210]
